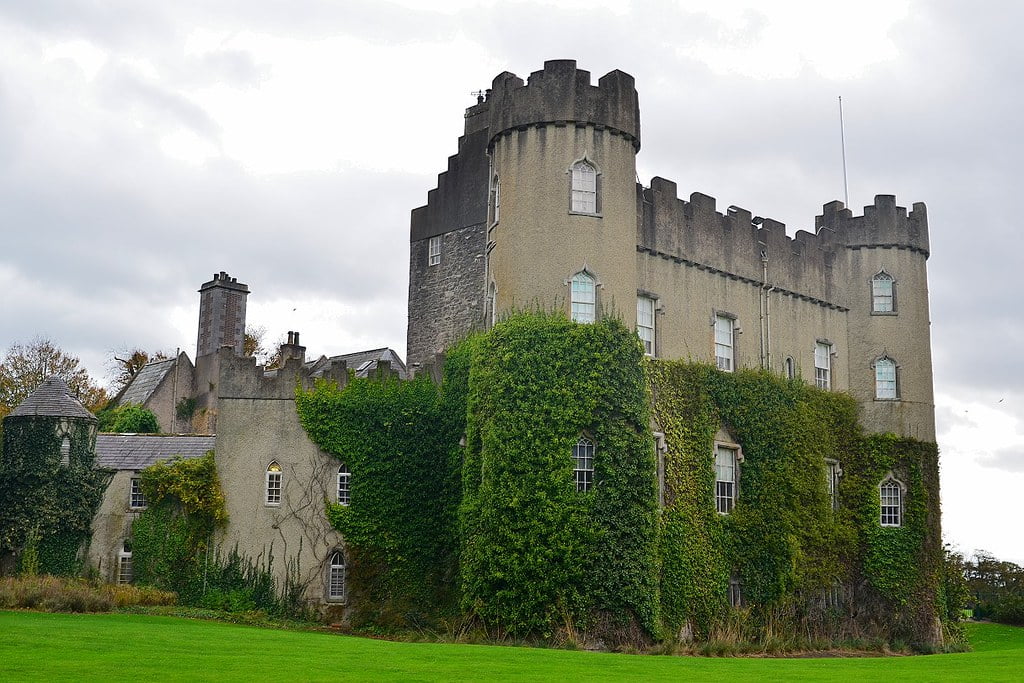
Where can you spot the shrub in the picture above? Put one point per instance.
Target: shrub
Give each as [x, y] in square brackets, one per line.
[54, 594]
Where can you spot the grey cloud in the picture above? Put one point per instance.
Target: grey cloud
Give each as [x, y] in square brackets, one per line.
[1008, 459]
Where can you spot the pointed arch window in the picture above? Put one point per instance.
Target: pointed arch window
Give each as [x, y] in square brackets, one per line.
[883, 293]
[583, 297]
[584, 187]
[890, 494]
[336, 576]
[583, 464]
[273, 481]
[344, 484]
[886, 388]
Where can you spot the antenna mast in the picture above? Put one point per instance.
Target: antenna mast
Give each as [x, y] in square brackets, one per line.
[842, 137]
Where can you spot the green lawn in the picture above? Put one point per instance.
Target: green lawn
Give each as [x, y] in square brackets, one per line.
[55, 647]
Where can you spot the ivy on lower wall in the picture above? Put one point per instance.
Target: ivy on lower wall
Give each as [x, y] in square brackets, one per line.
[46, 507]
[496, 531]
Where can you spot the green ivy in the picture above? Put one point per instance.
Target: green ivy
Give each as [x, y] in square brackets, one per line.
[43, 504]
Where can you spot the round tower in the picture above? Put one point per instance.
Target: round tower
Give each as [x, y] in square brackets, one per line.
[563, 193]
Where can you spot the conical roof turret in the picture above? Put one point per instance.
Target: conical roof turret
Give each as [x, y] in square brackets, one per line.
[52, 399]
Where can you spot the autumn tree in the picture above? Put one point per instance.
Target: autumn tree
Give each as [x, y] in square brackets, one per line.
[26, 366]
[126, 364]
[254, 345]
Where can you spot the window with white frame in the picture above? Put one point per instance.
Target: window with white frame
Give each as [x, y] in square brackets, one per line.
[583, 297]
[885, 378]
[789, 366]
[344, 483]
[136, 498]
[336, 576]
[273, 484]
[495, 200]
[725, 479]
[583, 464]
[434, 249]
[65, 452]
[645, 322]
[890, 494]
[584, 187]
[833, 472]
[725, 349]
[823, 365]
[124, 563]
[883, 293]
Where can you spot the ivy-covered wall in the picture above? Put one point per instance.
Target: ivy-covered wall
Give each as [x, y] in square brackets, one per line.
[46, 507]
[494, 528]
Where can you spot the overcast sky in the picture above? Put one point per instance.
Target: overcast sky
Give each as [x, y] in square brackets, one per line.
[145, 146]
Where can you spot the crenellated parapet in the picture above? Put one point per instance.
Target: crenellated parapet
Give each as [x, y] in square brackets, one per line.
[561, 94]
[241, 378]
[743, 246]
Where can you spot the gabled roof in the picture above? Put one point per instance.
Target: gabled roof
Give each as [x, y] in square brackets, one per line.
[363, 363]
[145, 382]
[139, 451]
[52, 398]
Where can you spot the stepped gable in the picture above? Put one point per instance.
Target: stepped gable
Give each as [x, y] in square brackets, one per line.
[139, 451]
[52, 399]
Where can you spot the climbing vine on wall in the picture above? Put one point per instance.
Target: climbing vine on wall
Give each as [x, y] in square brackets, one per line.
[400, 441]
[42, 499]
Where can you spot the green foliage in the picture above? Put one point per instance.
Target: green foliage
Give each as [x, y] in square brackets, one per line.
[186, 408]
[26, 366]
[400, 442]
[537, 554]
[130, 418]
[47, 507]
[783, 541]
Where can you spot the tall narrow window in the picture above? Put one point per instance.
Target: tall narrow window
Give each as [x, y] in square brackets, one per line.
[725, 356]
[833, 472]
[823, 365]
[890, 494]
[65, 451]
[344, 482]
[883, 294]
[725, 479]
[274, 484]
[583, 465]
[124, 563]
[790, 367]
[584, 187]
[494, 303]
[336, 576]
[583, 297]
[645, 322]
[434, 247]
[495, 200]
[885, 378]
[136, 499]
[735, 592]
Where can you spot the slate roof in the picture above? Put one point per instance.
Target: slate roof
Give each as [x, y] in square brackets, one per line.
[146, 382]
[139, 451]
[53, 399]
[364, 362]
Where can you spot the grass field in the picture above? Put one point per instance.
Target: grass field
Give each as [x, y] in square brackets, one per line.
[57, 647]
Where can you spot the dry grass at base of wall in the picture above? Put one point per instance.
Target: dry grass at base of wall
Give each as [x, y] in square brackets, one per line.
[54, 594]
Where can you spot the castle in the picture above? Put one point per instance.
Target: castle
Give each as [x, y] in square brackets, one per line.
[541, 208]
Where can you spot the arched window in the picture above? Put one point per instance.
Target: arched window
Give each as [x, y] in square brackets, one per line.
[336, 576]
[584, 187]
[790, 367]
[124, 563]
[583, 297]
[65, 451]
[890, 493]
[583, 464]
[885, 379]
[883, 293]
[344, 481]
[495, 200]
[274, 484]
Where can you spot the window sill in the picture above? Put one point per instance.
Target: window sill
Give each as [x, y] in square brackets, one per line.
[888, 400]
[884, 313]
[586, 213]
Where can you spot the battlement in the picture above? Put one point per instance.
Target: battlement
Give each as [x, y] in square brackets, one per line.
[562, 94]
[742, 245]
